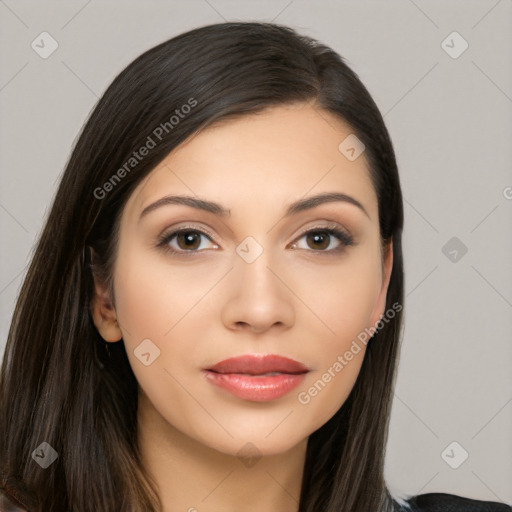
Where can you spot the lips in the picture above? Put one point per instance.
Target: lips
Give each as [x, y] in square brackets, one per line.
[256, 377]
[259, 365]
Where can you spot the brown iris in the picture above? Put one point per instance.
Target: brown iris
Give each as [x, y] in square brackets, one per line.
[188, 240]
[321, 239]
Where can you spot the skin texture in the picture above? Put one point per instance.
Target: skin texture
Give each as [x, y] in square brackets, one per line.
[298, 299]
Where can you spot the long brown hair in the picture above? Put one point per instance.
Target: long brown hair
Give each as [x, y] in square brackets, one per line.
[61, 386]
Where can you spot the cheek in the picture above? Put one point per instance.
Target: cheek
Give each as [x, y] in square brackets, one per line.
[341, 297]
[167, 305]
[153, 296]
[141, 304]
[156, 302]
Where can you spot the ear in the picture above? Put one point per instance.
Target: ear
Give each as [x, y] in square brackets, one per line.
[103, 313]
[387, 266]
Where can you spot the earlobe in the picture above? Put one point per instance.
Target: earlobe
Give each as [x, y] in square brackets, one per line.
[104, 315]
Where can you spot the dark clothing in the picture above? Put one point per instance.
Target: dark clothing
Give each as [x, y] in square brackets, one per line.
[439, 502]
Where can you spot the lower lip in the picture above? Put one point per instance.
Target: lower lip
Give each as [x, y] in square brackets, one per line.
[254, 388]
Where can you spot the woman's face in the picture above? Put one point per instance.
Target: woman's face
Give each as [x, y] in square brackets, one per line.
[251, 281]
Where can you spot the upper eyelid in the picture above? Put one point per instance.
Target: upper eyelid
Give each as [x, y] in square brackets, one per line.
[180, 229]
[330, 225]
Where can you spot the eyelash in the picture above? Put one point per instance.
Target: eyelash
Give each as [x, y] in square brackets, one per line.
[344, 238]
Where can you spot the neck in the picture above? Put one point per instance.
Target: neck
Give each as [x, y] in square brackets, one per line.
[192, 477]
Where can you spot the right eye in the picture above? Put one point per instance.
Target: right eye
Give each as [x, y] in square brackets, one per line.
[185, 241]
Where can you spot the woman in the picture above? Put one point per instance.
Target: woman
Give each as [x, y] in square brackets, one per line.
[212, 316]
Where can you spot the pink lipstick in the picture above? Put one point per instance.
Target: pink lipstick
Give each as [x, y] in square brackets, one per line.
[257, 377]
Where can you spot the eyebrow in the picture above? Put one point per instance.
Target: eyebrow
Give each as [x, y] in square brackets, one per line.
[217, 209]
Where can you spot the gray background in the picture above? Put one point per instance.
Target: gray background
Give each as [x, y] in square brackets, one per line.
[450, 120]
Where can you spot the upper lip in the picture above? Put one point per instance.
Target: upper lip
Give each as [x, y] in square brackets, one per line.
[257, 364]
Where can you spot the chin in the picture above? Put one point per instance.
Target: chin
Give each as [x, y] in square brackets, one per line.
[254, 447]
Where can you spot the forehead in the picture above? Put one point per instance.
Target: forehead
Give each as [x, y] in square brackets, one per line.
[275, 156]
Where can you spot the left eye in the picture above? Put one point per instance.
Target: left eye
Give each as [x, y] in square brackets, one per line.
[325, 240]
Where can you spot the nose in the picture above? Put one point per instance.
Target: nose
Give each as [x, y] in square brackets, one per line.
[258, 297]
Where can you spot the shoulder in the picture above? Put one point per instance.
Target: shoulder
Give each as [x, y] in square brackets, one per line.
[440, 502]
